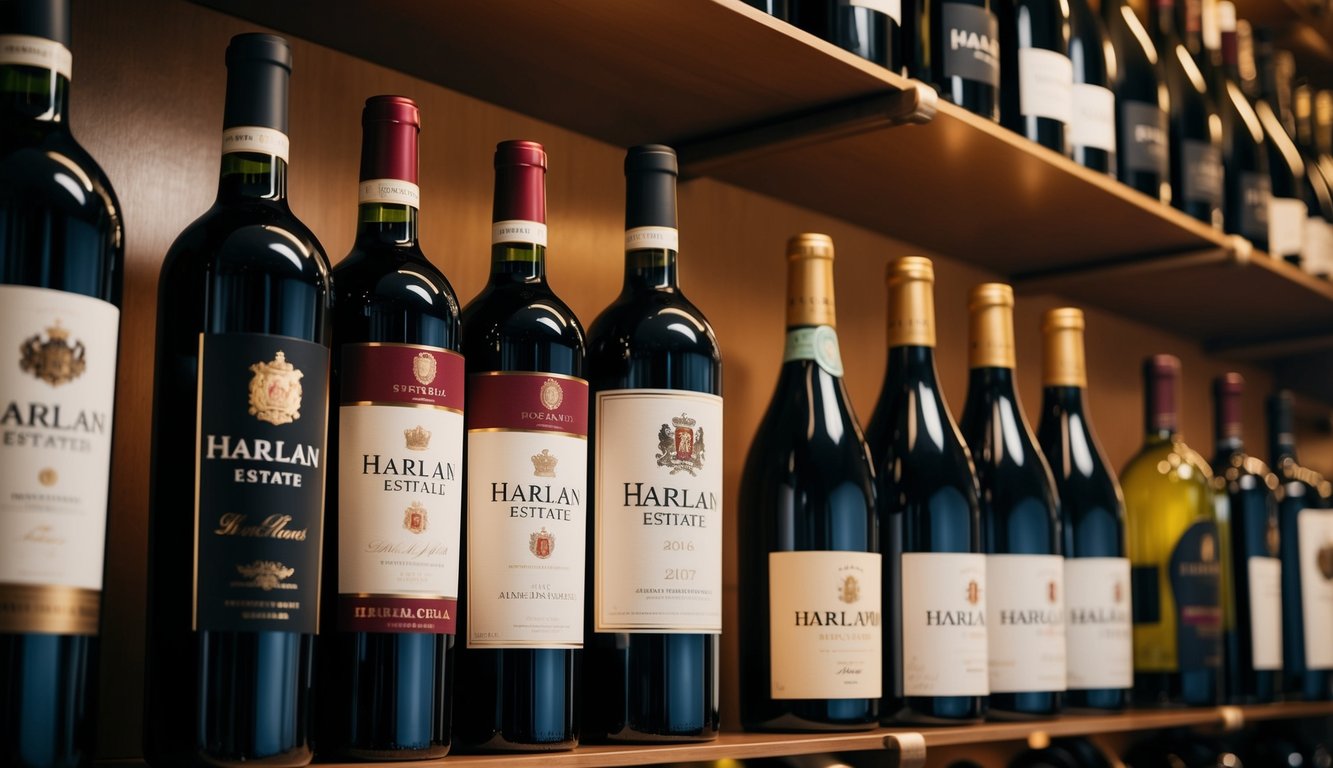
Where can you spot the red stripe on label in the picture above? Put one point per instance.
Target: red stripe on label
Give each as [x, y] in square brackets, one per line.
[392, 373]
[374, 613]
[532, 401]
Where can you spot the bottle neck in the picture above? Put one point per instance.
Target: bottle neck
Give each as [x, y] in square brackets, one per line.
[34, 97]
[251, 176]
[386, 224]
[912, 363]
[1164, 33]
[1231, 58]
[1067, 398]
[518, 262]
[650, 269]
[990, 382]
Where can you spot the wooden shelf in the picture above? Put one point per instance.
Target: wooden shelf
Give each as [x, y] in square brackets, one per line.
[755, 745]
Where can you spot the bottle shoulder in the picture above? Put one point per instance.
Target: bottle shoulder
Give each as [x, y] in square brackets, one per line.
[55, 171]
[249, 237]
[399, 277]
[520, 311]
[1166, 461]
[652, 322]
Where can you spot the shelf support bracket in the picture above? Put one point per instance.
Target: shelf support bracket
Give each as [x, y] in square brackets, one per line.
[915, 104]
[907, 749]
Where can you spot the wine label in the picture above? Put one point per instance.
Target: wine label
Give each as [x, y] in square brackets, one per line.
[527, 477]
[1025, 617]
[57, 391]
[1145, 130]
[658, 535]
[1092, 120]
[390, 192]
[1202, 172]
[971, 43]
[663, 238]
[824, 623]
[891, 8]
[259, 495]
[1196, 587]
[1286, 226]
[819, 344]
[1098, 634]
[1256, 189]
[1316, 245]
[256, 139]
[1265, 612]
[944, 624]
[400, 450]
[39, 52]
[516, 231]
[1045, 84]
[1314, 533]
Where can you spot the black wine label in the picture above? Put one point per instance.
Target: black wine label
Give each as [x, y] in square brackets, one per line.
[259, 498]
[971, 43]
[1256, 189]
[1143, 128]
[1196, 585]
[1202, 172]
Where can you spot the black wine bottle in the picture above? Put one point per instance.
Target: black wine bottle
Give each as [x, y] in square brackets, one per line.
[1317, 245]
[1247, 184]
[871, 29]
[1305, 527]
[1289, 216]
[1091, 130]
[1020, 521]
[1036, 75]
[809, 560]
[1195, 136]
[1098, 635]
[954, 45]
[527, 474]
[239, 431]
[1252, 580]
[61, 269]
[935, 654]
[655, 547]
[1142, 104]
[394, 506]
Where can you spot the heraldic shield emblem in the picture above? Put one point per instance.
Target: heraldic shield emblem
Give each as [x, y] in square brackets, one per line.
[542, 543]
[849, 591]
[53, 360]
[414, 519]
[275, 391]
[680, 447]
[424, 367]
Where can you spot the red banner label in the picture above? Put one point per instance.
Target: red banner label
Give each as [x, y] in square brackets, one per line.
[402, 373]
[381, 613]
[539, 402]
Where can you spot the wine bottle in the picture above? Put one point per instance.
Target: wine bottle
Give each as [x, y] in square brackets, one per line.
[1091, 130]
[1141, 104]
[1020, 521]
[239, 432]
[1305, 529]
[1195, 136]
[1036, 75]
[526, 487]
[1175, 552]
[809, 560]
[1287, 212]
[1100, 647]
[935, 654]
[1317, 254]
[954, 45]
[1247, 184]
[62, 264]
[656, 542]
[1252, 579]
[394, 503]
[871, 29]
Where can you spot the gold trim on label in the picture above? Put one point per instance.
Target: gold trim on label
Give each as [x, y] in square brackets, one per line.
[49, 610]
[534, 374]
[529, 431]
[991, 337]
[1062, 362]
[440, 350]
[389, 404]
[911, 285]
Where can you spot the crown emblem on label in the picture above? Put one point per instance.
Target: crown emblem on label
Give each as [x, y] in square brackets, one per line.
[414, 518]
[54, 360]
[680, 447]
[418, 438]
[267, 575]
[275, 391]
[849, 591]
[973, 592]
[543, 464]
[424, 367]
[1052, 591]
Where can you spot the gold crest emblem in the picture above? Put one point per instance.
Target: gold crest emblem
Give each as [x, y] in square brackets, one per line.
[1118, 593]
[53, 360]
[424, 367]
[414, 519]
[267, 575]
[1208, 548]
[543, 464]
[417, 438]
[973, 592]
[541, 543]
[275, 391]
[1052, 591]
[849, 591]
[552, 395]
[680, 447]
[1324, 559]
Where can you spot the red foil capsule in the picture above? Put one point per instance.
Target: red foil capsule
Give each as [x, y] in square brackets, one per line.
[390, 125]
[520, 182]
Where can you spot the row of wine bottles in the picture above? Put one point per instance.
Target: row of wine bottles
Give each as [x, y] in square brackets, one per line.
[1184, 111]
[923, 574]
